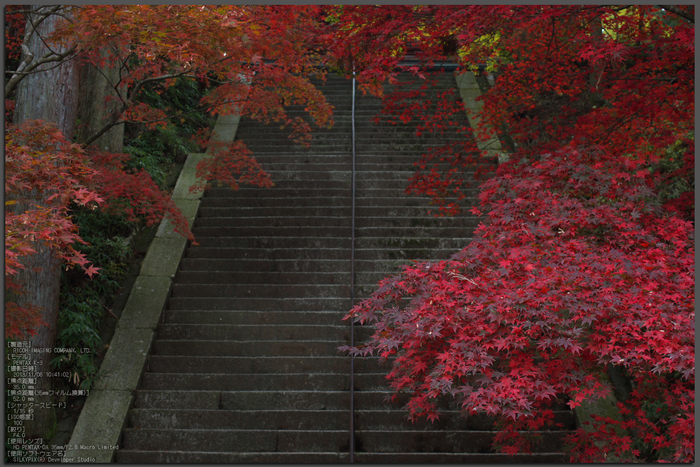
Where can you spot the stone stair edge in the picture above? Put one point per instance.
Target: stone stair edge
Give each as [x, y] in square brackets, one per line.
[104, 416]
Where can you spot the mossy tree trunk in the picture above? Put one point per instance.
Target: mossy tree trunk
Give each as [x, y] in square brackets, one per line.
[101, 94]
[51, 94]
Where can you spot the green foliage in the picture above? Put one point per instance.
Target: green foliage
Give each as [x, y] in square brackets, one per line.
[678, 181]
[157, 149]
[84, 301]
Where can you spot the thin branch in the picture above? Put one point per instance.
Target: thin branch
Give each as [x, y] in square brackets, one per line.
[678, 11]
[16, 77]
[29, 31]
[114, 86]
[114, 122]
[28, 68]
[140, 84]
[114, 119]
[53, 11]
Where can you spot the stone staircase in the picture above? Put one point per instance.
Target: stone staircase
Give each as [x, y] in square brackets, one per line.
[245, 366]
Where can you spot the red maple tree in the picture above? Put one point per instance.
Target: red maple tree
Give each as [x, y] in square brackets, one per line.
[257, 60]
[584, 264]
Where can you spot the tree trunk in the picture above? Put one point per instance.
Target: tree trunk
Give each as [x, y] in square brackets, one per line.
[50, 95]
[95, 107]
[597, 72]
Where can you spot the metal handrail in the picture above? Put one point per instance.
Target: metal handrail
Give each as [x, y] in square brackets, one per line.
[352, 283]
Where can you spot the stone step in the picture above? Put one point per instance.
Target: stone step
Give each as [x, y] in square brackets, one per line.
[256, 264]
[129, 456]
[304, 186]
[371, 135]
[306, 174]
[343, 163]
[333, 199]
[245, 347]
[444, 441]
[251, 332]
[371, 403]
[284, 254]
[260, 290]
[362, 279]
[365, 198]
[221, 419]
[252, 317]
[400, 149]
[365, 282]
[261, 364]
[363, 162]
[300, 414]
[337, 331]
[270, 440]
[374, 412]
[301, 265]
[208, 220]
[395, 147]
[455, 131]
[366, 109]
[455, 124]
[261, 400]
[199, 457]
[261, 382]
[311, 232]
[260, 304]
[279, 241]
[260, 440]
[365, 112]
[277, 278]
[366, 214]
[265, 223]
[396, 419]
[457, 458]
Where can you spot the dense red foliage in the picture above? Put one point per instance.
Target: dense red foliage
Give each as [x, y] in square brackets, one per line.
[14, 31]
[226, 45]
[555, 286]
[615, 77]
[586, 258]
[134, 194]
[43, 175]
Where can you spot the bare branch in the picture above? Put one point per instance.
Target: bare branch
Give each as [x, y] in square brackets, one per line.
[28, 68]
[43, 41]
[678, 11]
[114, 119]
[43, 15]
[17, 77]
[140, 84]
[114, 86]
